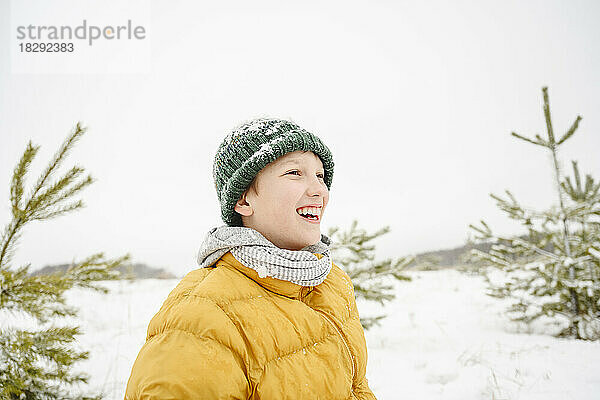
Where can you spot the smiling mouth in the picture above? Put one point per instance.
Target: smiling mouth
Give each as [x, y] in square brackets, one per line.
[311, 213]
[310, 217]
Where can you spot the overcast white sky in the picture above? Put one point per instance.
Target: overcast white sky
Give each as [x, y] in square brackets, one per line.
[415, 99]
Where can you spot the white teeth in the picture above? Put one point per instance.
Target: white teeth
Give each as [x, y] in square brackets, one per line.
[309, 210]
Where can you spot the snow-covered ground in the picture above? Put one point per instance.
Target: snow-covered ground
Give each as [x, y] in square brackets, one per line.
[443, 339]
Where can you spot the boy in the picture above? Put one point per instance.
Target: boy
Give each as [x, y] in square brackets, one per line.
[268, 315]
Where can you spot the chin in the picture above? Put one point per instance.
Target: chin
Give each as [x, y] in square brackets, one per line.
[312, 239]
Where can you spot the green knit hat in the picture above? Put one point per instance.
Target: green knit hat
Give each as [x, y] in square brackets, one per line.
[249, 148]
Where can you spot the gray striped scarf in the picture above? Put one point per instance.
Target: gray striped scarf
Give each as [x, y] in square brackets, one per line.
[253, 250]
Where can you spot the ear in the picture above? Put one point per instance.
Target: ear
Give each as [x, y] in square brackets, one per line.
[243, 207]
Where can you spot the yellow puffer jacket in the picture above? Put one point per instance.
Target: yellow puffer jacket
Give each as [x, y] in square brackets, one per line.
[225, 333]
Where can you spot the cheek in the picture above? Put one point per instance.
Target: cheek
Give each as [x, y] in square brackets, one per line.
[289, 196]
[283, 204]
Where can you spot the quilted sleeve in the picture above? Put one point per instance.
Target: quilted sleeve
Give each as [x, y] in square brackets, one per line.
[179, 365]
[192, 351]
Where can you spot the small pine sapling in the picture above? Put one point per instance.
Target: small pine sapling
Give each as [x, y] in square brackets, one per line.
[553, 271]
[352, 250]
[37, 363]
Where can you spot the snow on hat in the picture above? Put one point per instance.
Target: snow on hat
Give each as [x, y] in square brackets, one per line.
[249, 148]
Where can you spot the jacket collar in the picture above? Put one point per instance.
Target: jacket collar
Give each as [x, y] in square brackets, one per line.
[284, 288]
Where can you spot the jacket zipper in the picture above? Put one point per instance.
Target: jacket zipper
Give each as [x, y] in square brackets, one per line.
[343, 340]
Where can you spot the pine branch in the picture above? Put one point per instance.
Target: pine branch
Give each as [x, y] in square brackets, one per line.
[369, 322]
[547, 116]
[23, 215]
[539, 141]
[571, 130]
[56, 162]
[16, 187]
[10, 238]
[484, 233]
[95, 269]
[43, 296]
[53, 196]
[57, 211]
[575, 171]
[24, 352]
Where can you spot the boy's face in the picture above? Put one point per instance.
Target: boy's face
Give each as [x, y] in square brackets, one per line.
[292, 181]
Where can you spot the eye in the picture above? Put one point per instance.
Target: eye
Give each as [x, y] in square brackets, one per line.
[322, 176]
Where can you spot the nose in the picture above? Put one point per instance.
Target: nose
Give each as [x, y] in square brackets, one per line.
[316, 187]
